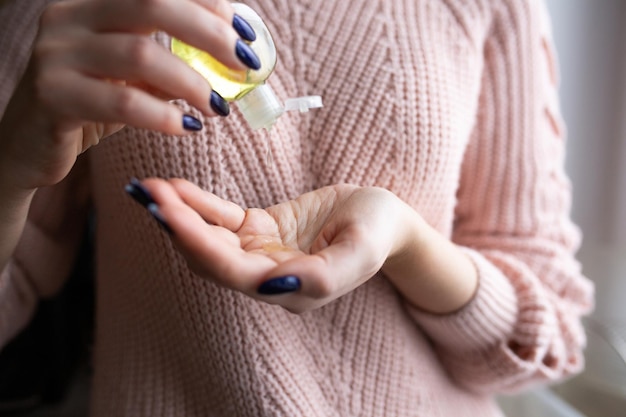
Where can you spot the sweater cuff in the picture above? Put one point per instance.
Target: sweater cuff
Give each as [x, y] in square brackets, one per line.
[486, 320]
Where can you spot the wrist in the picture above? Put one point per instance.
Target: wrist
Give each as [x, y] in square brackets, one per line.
[429, 270]
[14, 206]
[411, 235]
[27, 144]
[13, 186]
[11, 178]
[12, 194]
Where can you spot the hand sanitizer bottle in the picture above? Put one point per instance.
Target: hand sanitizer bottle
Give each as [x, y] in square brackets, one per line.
[255, 98]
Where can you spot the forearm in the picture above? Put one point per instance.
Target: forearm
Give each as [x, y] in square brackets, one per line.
[430, 271]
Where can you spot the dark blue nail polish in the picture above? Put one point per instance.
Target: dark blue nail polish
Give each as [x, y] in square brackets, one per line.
[243, 28]
[153, 208]
[219, 105]
[191, 123]
[247, 55]
[279, 285]
[139, 193]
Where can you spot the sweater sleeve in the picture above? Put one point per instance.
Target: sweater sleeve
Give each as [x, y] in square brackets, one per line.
[523, 325]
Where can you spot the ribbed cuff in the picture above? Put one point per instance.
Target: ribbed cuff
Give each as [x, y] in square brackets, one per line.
[486, 320]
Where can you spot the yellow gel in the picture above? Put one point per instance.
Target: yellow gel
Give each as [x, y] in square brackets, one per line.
[229, 83]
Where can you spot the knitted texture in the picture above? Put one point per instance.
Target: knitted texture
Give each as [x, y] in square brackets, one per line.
[451, 105]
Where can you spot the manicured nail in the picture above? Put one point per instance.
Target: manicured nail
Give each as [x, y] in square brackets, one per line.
[243, 28]
[247, 55]
[153, 208]
[139, 193]
[191, 123]
[279, 285]
[219, 105]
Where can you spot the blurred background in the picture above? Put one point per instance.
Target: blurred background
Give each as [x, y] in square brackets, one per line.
[590, 39]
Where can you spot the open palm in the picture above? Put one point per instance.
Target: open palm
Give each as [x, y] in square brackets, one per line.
[331, 240]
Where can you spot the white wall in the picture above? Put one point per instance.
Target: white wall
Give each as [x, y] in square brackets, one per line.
[590, 38]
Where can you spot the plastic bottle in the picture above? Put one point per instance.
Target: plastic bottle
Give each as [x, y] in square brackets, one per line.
[255, 98]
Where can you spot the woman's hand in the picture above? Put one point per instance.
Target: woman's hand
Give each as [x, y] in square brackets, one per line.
[95, 69]
[303, 253]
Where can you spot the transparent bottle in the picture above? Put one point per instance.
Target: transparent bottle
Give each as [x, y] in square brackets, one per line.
[256, 99]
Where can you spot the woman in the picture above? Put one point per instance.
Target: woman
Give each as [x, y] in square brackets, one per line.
[417, 226]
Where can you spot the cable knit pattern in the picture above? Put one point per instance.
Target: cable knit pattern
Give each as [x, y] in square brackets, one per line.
[450, 104]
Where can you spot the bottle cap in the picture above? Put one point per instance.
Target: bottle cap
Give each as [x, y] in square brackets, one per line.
[261, 108]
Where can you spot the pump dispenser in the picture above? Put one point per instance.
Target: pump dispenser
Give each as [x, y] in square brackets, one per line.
[256, 99]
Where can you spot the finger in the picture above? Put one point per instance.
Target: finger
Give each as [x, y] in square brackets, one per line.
[310, 282]
[137, 58]
[212, 251]
[153, 91]
[78, 97]
[189, 21]
[222, 8]
[225, 9]
[210, 207]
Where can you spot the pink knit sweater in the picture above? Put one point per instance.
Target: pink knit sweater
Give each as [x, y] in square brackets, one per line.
[452, 105]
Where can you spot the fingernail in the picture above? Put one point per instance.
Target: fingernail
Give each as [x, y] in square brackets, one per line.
[279, 285]
[247, 55]
[243, 28]
[139, 193]
[153, 208]
[219, 105]
[191, 123]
